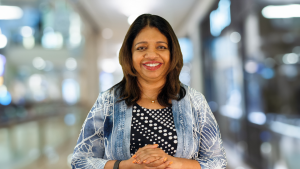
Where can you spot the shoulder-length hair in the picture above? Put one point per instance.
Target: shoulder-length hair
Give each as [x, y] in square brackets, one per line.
[128, 89]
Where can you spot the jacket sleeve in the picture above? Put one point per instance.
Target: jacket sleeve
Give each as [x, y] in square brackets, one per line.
[89, 151]
[211, 154]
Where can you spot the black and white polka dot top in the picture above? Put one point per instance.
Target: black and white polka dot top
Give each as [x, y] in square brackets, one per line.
[153, 126]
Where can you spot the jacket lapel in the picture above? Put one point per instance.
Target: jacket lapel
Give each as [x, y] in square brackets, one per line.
[183, 119]
[122, 126]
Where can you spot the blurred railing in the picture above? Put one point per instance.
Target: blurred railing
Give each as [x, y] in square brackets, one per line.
[34, 132]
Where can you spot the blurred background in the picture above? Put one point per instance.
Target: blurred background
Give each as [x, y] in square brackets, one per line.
[57, 55]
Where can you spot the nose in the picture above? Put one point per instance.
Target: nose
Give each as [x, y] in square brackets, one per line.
[151, 54]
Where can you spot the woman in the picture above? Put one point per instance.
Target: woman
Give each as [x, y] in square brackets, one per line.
[149, 119]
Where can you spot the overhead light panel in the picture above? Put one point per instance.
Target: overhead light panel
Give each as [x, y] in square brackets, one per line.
[10, 12]
[281, 11]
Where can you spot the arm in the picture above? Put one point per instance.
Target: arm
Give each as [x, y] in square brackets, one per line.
[206, 133]
[211, 154]
[89, 151]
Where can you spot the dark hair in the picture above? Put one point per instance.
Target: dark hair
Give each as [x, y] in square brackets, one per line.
[128, 89]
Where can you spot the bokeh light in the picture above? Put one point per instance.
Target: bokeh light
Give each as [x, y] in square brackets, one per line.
[108, 65]
[3, 40]
[70, 91]
[257, 118]
[52, 40]
[39, 63]
[2, 64]
[251, 67]
[290, 58]
[235, 37]
[5, 100]
[267, 73]
[71, 64]
[26, 31]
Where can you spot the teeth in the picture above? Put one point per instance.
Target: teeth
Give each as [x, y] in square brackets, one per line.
[152, 65]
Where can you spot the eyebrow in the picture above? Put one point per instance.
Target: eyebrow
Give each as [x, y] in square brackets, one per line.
[147, 42]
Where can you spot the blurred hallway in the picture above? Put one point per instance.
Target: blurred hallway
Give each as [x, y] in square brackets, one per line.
[57, 55]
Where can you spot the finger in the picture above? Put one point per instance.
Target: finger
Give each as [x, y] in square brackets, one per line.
[165, 165]
[157, 163]
[151, 159]
[143, 155]
[148, 146]
[145, 148]
[147, 153]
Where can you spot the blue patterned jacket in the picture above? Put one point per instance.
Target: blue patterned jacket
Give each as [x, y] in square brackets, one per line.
[105, 134]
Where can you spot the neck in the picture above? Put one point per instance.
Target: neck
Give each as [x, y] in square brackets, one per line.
[150, 88]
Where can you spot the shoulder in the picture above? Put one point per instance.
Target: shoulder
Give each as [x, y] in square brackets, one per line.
[196, 98]
[106, 96]
[192, 93]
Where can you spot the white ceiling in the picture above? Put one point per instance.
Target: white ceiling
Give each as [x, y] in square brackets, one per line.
[113, 14]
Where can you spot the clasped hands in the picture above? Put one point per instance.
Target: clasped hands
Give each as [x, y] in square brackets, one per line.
[150, 157]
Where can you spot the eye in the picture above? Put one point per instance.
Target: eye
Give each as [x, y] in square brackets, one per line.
[161, 47]
[141, 48]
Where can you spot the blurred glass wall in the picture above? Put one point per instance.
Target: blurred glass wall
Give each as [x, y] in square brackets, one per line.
[41, 45]
[251, 64]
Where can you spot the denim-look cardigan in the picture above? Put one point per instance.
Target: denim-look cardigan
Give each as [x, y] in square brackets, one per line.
[105, 134]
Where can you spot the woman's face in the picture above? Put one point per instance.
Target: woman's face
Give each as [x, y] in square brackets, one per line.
[150, 54]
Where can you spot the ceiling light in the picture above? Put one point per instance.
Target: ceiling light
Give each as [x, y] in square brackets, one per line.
[130, 7]
[281, 11]
[10, 12]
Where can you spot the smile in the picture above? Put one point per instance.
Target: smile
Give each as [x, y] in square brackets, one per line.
[152, 66]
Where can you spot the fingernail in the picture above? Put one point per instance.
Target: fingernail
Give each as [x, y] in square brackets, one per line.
[171, 163]
[139, 161]
[155, 144]
[133, 156]
[144, 161]
[134, 161]
[165, 159]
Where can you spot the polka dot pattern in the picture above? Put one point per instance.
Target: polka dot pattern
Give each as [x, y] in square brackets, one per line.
[153, 127]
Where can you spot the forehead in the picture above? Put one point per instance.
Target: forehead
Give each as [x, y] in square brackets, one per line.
[150, 34]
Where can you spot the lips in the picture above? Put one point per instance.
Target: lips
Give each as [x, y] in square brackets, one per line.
[153, 65]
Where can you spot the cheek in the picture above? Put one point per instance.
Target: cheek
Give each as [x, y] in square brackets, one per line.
[167, 58]
[136, 61]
